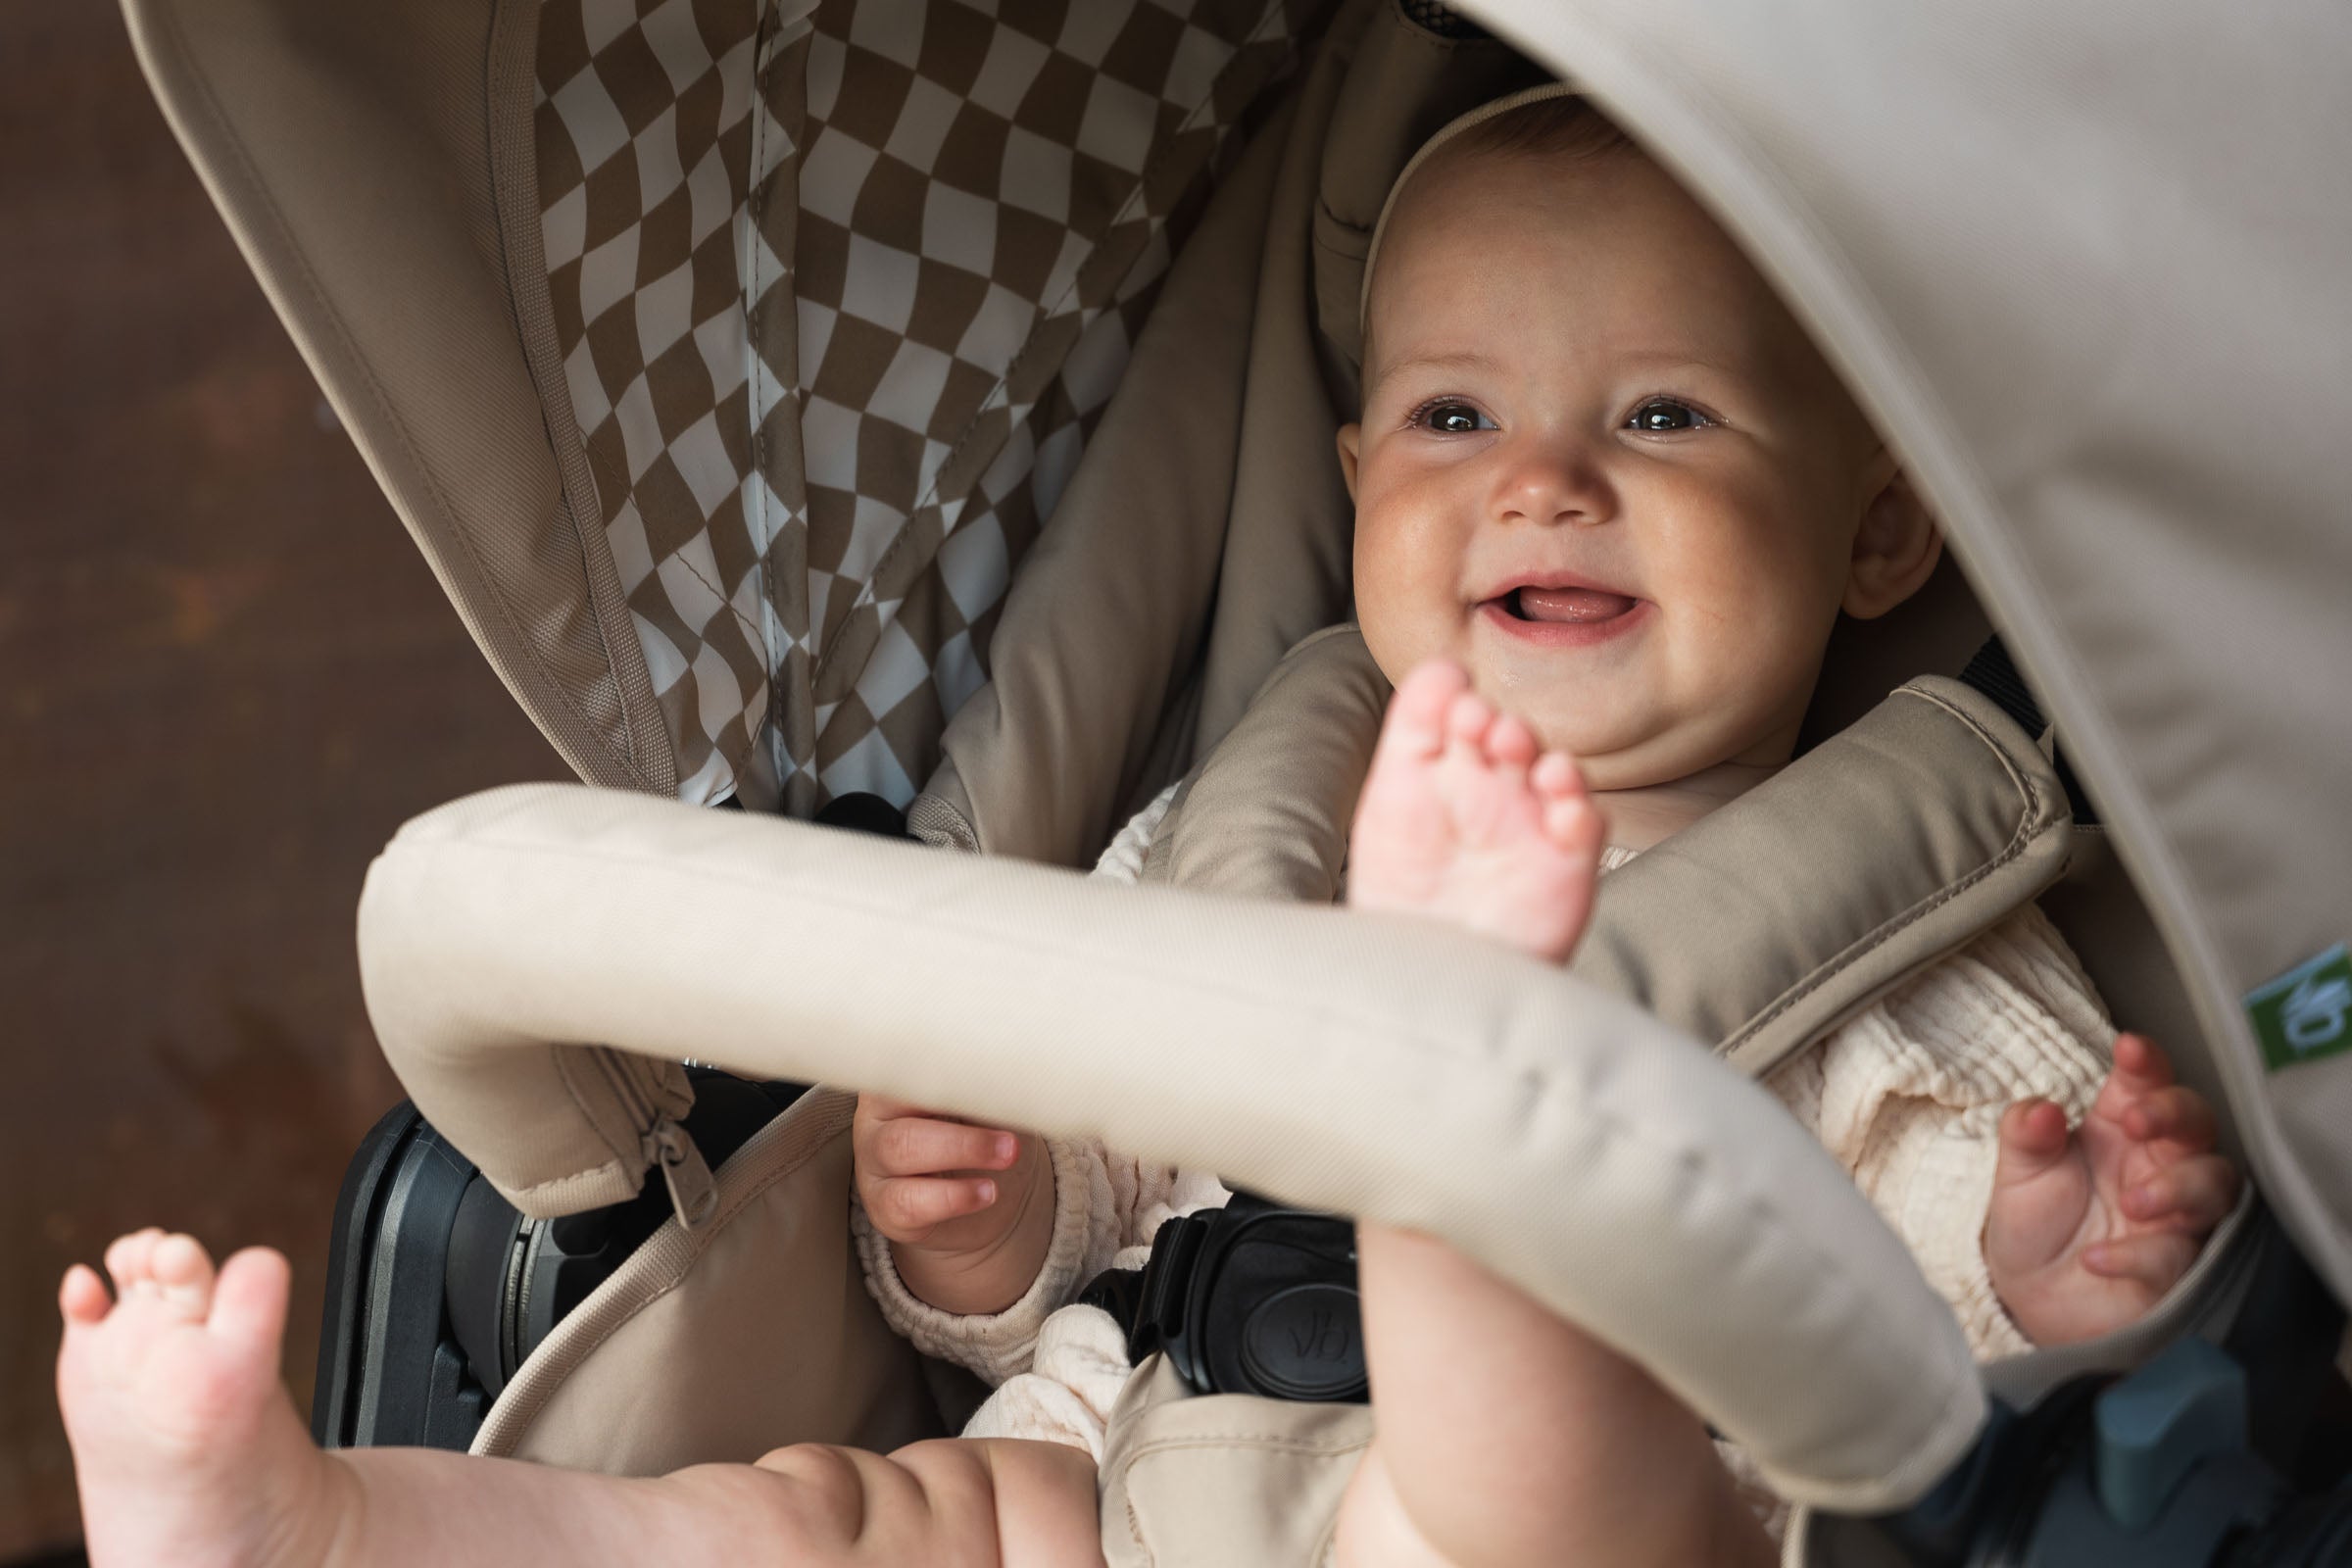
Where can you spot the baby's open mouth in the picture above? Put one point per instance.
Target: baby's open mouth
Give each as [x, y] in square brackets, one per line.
[1570, 606]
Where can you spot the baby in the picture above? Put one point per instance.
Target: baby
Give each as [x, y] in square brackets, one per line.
[1609, 503]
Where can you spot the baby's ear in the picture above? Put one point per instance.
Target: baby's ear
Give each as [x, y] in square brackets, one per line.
[1350, 438]
[1895, 548]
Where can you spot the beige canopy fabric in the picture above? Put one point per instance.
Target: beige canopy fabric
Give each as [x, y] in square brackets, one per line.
[2084, 265]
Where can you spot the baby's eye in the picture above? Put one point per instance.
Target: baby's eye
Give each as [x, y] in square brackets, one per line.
[1451, 416]
[1661, 416]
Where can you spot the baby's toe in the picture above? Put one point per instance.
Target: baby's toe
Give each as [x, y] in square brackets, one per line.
[1556, 775]
[128, 1260]
[1417, 715]
[183, 1271]
[1468, 717]
[1575, 828]
[82, 1297]
[1510, 743]
[249, 1304]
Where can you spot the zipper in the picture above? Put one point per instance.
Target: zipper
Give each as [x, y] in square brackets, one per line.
[662, 1144]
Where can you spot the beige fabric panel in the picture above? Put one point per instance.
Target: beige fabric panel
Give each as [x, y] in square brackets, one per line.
[1099, 630]
[1223, 1480]
[752, 1331]
[2120, 382]
[1266, 815]
[1287, 523]
[1373, 1066]
[351, 153]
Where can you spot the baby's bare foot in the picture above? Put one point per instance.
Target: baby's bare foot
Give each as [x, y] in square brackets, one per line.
[186, 1448]
[1463, 820]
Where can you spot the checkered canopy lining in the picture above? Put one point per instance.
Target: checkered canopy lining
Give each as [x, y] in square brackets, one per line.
[841, 294]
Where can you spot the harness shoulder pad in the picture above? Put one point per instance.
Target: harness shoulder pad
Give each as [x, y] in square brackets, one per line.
[1266, 814]
[1760, 927]
[1775, 918]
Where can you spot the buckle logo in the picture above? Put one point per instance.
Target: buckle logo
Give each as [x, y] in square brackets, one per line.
[2306, 1013]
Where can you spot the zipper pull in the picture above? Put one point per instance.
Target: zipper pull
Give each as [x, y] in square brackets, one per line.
[692, 1191]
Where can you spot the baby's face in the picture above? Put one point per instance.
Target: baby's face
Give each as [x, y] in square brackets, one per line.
[1600, 466]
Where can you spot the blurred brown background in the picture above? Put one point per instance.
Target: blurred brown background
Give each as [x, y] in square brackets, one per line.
[225, 676]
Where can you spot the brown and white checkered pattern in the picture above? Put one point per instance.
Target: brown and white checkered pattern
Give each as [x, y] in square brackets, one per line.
[946, 222]
[643, 137]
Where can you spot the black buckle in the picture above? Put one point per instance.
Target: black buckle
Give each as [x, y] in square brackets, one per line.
[1250, 1299]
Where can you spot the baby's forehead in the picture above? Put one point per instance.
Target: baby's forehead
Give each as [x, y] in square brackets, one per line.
[1483, 242]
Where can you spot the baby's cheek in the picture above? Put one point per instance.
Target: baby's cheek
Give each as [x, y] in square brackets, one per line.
[1399, 604]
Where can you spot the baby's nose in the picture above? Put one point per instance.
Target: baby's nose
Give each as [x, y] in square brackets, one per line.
[1554, 483]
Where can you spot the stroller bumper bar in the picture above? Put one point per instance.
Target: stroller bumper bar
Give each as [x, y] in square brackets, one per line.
[1469, 1073]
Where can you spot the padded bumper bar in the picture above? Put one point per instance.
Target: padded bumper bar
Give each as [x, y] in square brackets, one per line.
[1381, 1068]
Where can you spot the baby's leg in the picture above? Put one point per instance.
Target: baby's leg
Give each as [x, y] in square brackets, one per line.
[1505, 1435]
[189, 1451]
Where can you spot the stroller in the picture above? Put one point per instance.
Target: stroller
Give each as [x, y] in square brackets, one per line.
[745, 372]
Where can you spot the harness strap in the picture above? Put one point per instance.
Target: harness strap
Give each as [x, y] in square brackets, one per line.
[1995, 674]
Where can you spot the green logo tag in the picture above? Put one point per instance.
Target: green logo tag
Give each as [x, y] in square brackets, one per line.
[2306, 1013]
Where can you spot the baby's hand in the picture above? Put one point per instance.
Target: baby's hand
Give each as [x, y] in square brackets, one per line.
[2088, 1229]
[962, 1240]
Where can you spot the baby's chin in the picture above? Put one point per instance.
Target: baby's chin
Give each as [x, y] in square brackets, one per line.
[1632, 756]
[1613, 750]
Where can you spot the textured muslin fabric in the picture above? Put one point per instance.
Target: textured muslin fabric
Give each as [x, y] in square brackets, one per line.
[1907, 1096]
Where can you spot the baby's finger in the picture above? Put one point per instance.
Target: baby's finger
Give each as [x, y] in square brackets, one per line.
[2143, 1061]
[2156, 1261]
[2191, 1196]
[879, 1108]
[2033, 1138]
[924, 1146]
[2138, 1070]
[908, 1205]
[2177, 1115]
